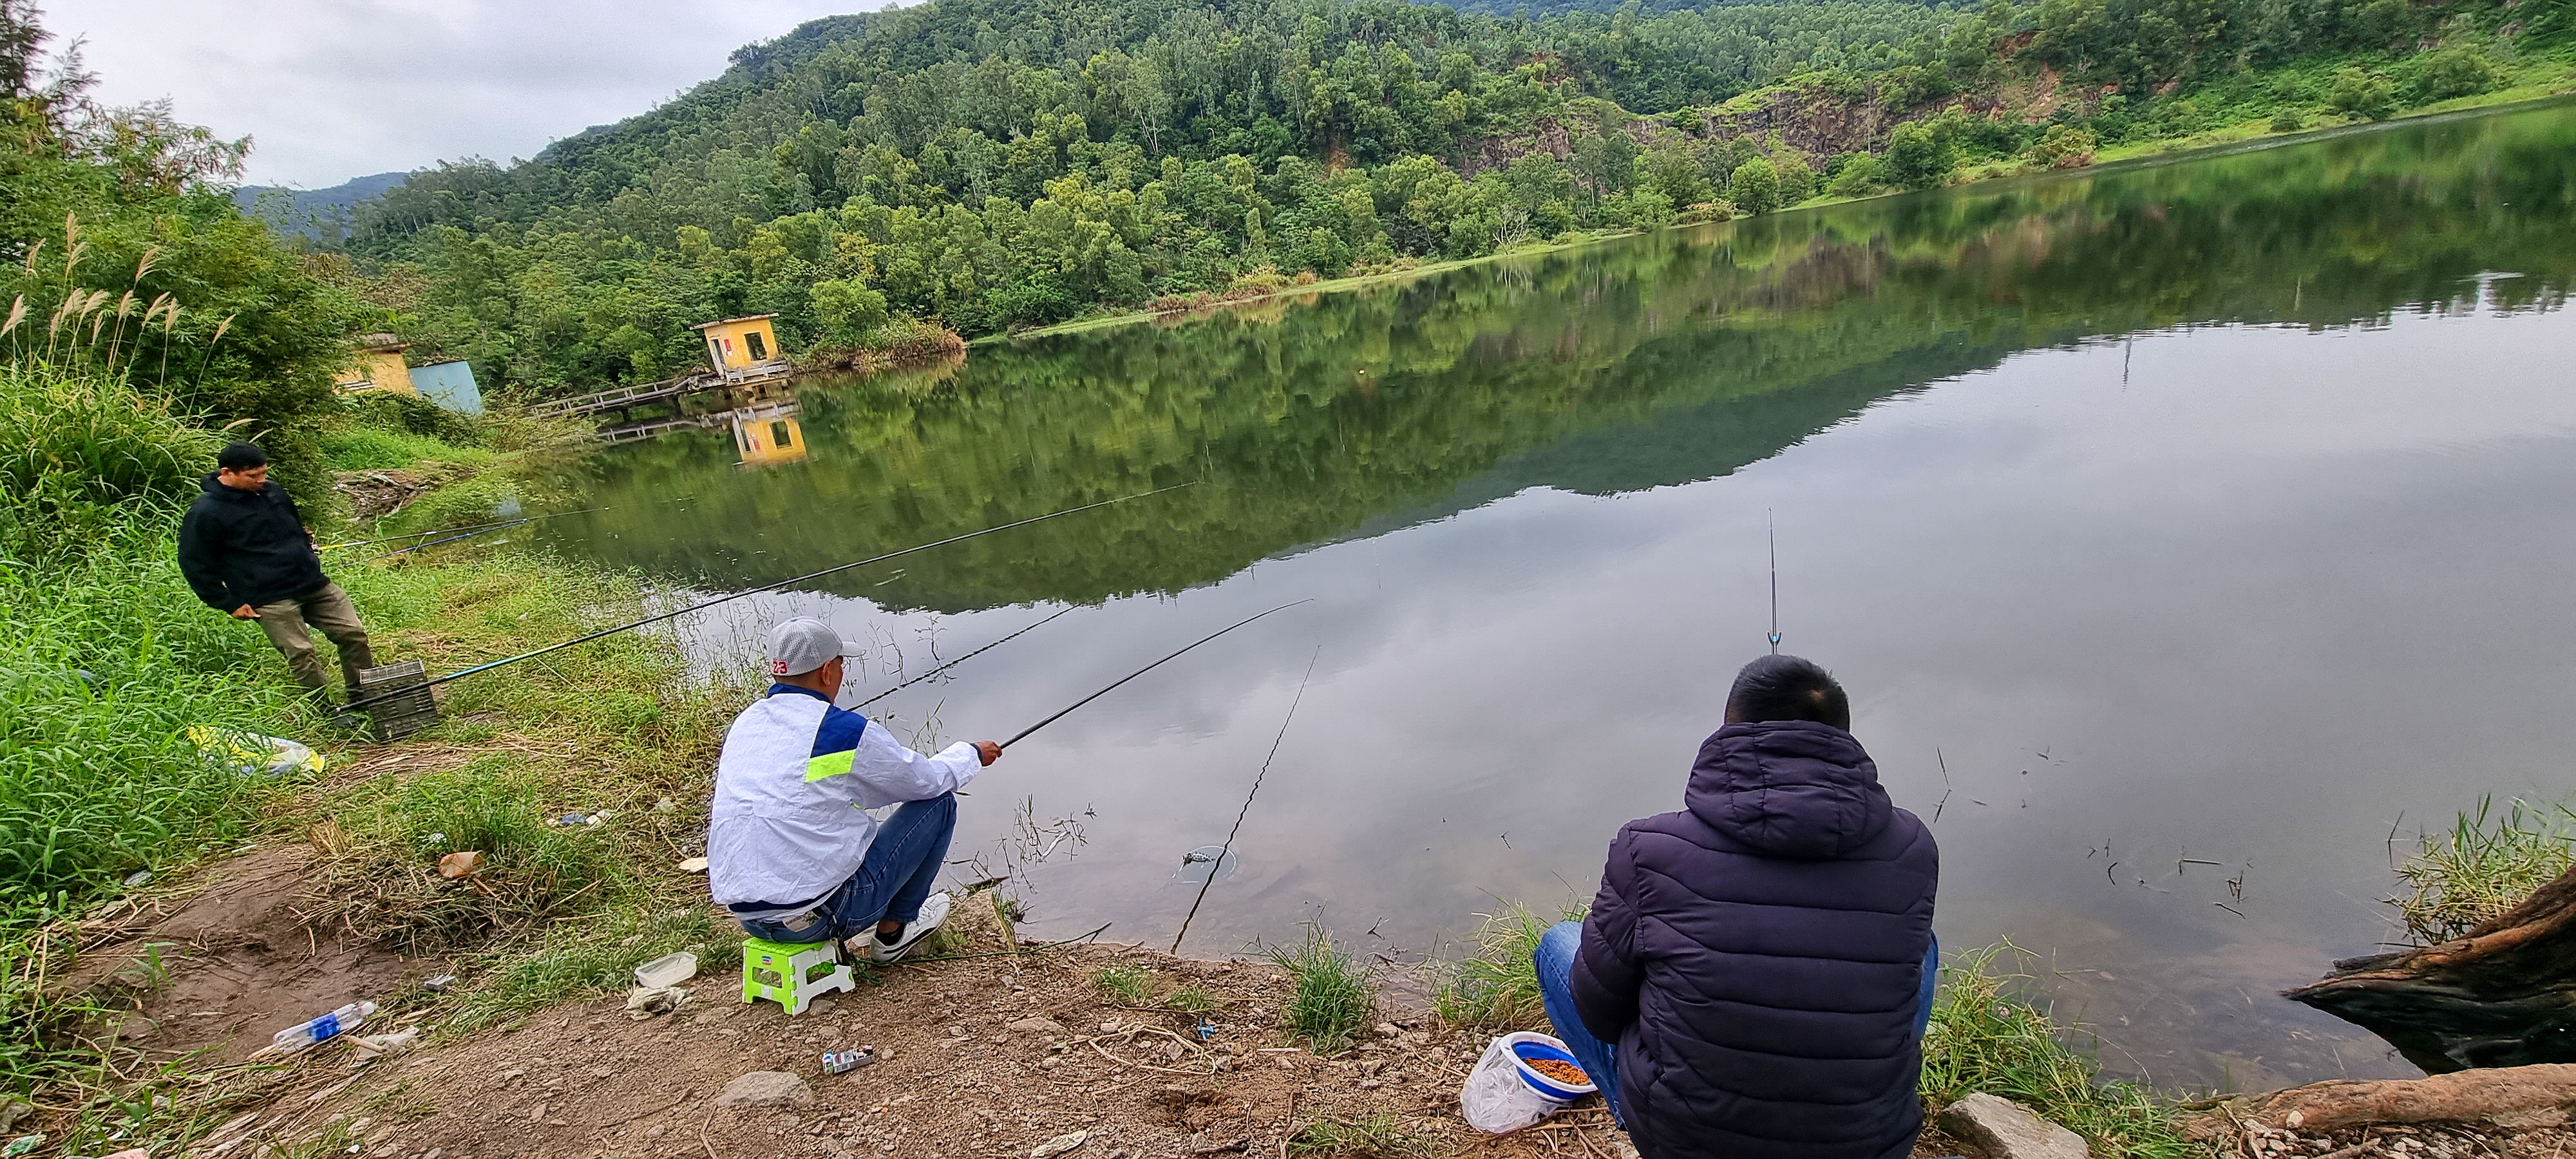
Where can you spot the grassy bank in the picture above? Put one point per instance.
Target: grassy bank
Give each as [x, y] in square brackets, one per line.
[108, 661]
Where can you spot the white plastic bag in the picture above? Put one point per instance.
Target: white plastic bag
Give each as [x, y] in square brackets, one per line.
[1496, 1099]
[252, 755]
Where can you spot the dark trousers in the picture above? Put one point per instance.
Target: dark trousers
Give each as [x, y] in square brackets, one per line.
[290, 624]
[893, 879]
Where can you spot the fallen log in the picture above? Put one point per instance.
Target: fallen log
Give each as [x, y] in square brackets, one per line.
[2522, 1096]
[2503, 994]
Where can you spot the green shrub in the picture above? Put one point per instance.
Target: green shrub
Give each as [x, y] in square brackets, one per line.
[2456, 71]
[1859, 176]
[2360, 93]
[2065, 147]
[2288, 121]
[1496, 987]
[1334, 998]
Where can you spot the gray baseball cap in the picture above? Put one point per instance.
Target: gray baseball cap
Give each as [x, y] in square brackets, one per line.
[802, 645]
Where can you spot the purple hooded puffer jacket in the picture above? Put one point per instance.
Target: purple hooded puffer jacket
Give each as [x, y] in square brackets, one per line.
[1757, 956]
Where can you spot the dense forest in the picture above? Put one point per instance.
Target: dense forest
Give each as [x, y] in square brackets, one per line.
[985, 165]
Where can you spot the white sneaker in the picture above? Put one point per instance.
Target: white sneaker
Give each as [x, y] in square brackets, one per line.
[934, 910]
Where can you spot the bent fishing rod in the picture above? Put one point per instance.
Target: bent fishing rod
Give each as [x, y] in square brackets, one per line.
[1060, 714]
[655, 619]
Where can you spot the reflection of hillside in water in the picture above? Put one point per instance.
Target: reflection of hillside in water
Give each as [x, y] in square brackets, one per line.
[1659, 360]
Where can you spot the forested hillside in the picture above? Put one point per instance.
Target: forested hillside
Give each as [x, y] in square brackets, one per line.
[982, 165]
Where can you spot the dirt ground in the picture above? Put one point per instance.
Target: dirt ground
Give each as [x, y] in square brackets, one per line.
[988, 1052]
[211, 972]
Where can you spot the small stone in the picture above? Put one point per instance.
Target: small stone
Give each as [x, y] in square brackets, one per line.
[2004, 1129]
[1045, 1026]
[656, 1131]
[1059, 1145]
[1388, 1030]
[1287, 1063]
[1370, 1067]
[822, 1005]
[766, 1088]
[1370, 1084]
[706, 1018]
[1050, 1062]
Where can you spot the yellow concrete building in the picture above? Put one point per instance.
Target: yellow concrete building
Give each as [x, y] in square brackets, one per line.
[380, 366]
[740, 348]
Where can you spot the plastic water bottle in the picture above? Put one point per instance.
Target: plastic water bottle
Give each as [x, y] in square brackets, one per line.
[301, 1035]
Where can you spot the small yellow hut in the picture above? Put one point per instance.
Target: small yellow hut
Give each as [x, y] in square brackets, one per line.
[380, 366]
[740, 348]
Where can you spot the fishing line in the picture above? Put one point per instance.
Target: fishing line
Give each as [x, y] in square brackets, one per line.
[1257, 778]
[1023, 733]
[655, 619]
[953, 663]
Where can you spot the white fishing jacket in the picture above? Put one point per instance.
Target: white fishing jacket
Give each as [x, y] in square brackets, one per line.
[786, 828]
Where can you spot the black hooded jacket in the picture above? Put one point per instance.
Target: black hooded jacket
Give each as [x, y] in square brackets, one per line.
[246, 547]
[1758, 956]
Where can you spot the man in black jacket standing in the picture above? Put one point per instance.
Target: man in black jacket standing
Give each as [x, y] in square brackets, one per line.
[245, 550]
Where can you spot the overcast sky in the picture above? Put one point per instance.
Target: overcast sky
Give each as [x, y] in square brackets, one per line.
[334, 89]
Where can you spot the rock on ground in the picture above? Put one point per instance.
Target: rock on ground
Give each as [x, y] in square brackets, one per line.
[2004, 1129]
[766, 1088]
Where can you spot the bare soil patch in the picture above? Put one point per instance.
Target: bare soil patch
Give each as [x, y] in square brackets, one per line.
[214, 973]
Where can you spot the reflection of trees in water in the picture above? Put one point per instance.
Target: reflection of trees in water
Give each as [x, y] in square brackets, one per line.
[1662, 359]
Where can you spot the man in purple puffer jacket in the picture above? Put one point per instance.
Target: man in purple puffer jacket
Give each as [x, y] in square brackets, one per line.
[1762, 959]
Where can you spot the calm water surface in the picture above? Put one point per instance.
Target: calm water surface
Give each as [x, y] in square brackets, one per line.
[2215, 509]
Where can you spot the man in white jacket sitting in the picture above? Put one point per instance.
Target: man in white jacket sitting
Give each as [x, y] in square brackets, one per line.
[790, 854]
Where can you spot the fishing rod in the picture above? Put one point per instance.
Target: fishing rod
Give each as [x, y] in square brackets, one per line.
[1775, 580]
[498, 523]
[655, 619]
[1257, 778]
[953, 663]
[450, 539]
[1023, 733]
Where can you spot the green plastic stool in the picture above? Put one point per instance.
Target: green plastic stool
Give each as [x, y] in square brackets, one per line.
[792, 974]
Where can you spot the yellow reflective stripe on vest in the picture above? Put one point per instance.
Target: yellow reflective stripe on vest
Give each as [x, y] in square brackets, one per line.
[828, 765]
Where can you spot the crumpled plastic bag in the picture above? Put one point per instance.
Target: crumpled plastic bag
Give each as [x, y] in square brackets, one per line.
[252, 755]
[642, 1003]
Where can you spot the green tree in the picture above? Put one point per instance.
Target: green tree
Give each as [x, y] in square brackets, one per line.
[1755, 187]
[1916, 157]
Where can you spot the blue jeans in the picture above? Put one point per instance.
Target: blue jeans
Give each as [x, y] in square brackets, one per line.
[1554, 959]
[893, 879]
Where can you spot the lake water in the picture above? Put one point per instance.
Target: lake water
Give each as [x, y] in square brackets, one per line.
[2216, 509]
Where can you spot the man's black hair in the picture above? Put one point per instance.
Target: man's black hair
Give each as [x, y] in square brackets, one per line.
[242, 457]
[1787, 688]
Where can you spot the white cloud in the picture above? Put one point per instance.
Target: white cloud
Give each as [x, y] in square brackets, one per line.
[333, 89]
